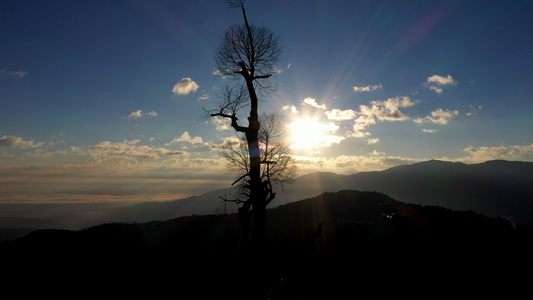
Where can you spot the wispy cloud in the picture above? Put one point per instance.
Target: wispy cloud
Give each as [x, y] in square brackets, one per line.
[368, 88]
[204, 97]
[439, 116]
[18, 74]
[15, 141]
[281, 70]
[436, 82]
[474, 110]
[139, 114]
[185, 86]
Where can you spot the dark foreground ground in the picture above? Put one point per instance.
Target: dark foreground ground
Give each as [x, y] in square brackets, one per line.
[344, 245]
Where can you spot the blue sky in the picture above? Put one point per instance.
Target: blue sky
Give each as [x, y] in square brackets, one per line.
[102, 100]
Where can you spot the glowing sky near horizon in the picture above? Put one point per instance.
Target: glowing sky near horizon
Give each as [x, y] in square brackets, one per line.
[104, 98]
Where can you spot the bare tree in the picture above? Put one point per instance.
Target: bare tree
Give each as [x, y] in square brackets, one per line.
[277, 165]
[249, 53]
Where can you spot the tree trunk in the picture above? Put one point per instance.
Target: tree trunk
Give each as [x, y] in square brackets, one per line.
[257, 193]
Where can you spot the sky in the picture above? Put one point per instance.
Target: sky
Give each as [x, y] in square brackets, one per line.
[104, 100]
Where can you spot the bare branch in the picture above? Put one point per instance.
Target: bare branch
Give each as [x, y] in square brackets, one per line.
[236, 201]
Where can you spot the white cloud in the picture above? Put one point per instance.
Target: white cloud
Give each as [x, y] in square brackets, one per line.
[436, 82]
[388, 110]
[337, 114]
[360, 125]
[312, 102]
[185, 137]
[377, 153]
[291, 107]
[374, 141]
[139, 114]
[368, 88]
[185, 86]
[369, 115]
[221, 123]
[15, 141]
[439, 116]
[429, 130]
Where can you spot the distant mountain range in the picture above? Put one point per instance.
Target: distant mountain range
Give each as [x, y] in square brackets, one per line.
[494, 188]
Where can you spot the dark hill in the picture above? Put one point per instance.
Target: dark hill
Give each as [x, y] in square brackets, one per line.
[347, 243]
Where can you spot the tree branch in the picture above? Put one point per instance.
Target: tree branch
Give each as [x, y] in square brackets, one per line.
[236, 201]
[233, 121]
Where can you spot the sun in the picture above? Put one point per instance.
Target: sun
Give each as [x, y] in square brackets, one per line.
[310, 134]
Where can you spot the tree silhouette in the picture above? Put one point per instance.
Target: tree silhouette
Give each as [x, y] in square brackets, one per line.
[248, 52]
[277, 165]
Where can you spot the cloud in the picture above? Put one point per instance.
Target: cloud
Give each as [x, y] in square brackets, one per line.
[139, 114]
[378, 111]
[221, 123]
[281, 70]
[439, 116]
[15, 141]
[229, 142]
[436, 82]
[126, 150]
[337, 114]
[374, 141]
[350, 164]
[186, 138]
[429, 130]
[18, 74]
[204, 97]
[291, 107]
[360, 125]
[368, 88]
[185, 86]
[482, 154]
[474, 110]
[388, 110]
[219, 74]
[312, 102]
